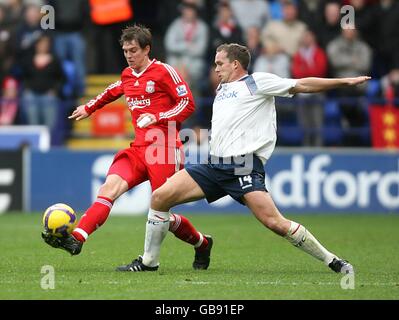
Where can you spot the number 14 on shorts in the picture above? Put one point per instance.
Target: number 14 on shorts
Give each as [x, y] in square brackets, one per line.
[245, 182]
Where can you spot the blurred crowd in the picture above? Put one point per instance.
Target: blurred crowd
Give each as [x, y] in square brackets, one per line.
[42, 69]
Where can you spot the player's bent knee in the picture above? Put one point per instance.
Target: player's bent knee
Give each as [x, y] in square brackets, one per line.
[113, 188]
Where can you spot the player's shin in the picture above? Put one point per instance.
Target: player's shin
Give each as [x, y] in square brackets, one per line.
[301, 238]
[156, 229]
[94, 217]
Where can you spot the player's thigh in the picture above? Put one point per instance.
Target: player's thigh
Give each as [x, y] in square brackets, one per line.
[125, 173]
[179, 188]
[159, 173]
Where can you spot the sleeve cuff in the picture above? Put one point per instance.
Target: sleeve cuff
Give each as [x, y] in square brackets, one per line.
[88, 110]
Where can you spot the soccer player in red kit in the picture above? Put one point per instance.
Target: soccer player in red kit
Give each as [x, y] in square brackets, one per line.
[159, 100]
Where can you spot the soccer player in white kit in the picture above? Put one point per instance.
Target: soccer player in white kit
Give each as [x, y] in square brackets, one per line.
[243, 138]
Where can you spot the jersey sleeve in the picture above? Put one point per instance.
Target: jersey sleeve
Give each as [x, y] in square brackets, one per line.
[178, 89]
[111, 93]
[272, 85]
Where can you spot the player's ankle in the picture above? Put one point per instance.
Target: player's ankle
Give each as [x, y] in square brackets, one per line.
[78, 236]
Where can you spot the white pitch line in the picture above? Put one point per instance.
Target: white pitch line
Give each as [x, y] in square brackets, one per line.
[278, 283]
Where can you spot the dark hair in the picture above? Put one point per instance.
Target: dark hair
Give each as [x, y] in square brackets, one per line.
[140, 34]
[190, 5]
[236, 52]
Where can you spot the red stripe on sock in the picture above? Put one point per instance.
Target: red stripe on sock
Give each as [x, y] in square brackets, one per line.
[296, 229]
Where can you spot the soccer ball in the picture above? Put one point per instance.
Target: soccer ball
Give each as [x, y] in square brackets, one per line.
[59, 220]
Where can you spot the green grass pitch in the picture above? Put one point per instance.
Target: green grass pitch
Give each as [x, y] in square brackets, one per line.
[248, 261]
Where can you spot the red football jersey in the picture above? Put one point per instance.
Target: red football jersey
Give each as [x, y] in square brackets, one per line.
[159, 90]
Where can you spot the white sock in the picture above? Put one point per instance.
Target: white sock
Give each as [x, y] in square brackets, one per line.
[156, 229]
[304, 240]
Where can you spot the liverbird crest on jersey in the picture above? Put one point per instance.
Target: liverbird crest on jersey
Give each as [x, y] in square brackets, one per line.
[150, 87]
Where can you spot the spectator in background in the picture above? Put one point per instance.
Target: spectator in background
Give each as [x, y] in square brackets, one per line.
[253, 43]
[224, 29]
[388, 36]
[288, 31]
[310, 61]
[108, 17]
[8, 101]
[186, 43]
[366, 21]
[273, 60]
[250, 13]
[390, 86]
[6, 43]
[330, 28]
[70, 18]
[15, 10]
[276, 8]
[42, 78]
[310, 12]
[207, 10]
[349, 56]
[28, 33]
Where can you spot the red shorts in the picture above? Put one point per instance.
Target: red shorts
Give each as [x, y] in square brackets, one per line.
[141, 163]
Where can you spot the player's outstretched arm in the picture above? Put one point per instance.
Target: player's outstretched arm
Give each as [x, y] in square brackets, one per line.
[79, 113]
[313, 85]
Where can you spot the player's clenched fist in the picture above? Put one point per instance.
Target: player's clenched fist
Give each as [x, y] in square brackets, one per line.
[79, 113]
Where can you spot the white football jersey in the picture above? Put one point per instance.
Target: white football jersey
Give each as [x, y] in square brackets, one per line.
[244, 115]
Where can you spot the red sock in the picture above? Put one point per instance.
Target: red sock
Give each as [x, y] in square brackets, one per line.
[94, 217]
[182, 228]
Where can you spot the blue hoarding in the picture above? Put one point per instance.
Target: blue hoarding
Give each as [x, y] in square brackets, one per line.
[316, 181]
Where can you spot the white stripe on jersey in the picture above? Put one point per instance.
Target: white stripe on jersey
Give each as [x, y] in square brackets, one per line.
[175, 111]
[177, 159]
[111, 86]
[173, 73]
[176, 78]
